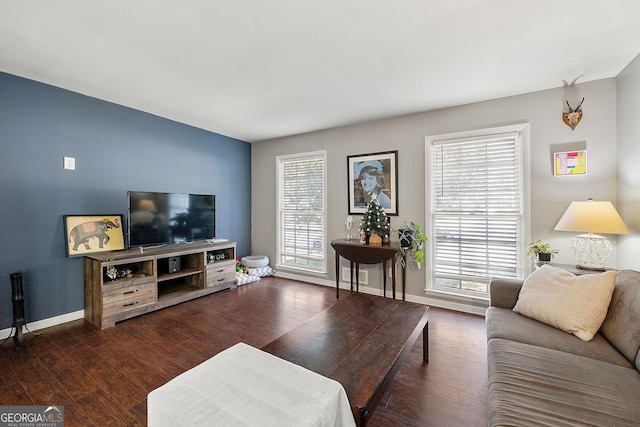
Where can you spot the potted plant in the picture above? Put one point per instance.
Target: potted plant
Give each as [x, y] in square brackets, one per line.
[413, 240]
[542, 250]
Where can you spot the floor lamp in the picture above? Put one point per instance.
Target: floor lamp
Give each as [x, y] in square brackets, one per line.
[591, 250]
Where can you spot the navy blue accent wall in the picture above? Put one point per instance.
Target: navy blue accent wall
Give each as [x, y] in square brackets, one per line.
[116, 149]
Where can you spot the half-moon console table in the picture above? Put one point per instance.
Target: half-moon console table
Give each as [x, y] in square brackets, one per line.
[357, 254]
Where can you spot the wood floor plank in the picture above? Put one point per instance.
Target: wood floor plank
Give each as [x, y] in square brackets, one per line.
[70, 364]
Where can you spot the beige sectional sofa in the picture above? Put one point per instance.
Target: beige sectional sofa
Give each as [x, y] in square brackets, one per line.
[541, 375]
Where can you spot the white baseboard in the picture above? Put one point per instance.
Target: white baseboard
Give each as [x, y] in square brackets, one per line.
[309, 279]
[471, 307]
[46, 323]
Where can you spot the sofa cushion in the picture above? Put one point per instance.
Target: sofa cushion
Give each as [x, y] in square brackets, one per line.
[575, 304]
[622, 324]
[506, 324]
[532, 385]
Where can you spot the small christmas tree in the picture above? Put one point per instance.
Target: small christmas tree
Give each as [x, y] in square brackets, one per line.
[375, 219]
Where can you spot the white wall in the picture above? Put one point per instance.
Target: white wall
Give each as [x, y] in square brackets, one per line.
[549, 195]
[628, 105]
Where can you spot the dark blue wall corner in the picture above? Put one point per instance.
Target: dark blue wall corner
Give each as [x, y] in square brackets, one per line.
[117, 149]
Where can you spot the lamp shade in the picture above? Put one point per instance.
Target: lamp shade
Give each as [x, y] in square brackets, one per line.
[592, 217]
[147, 205]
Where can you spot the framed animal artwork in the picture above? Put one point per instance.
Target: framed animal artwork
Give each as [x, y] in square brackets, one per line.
[89, 234]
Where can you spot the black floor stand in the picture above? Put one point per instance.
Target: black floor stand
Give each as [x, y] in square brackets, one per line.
[17, 298]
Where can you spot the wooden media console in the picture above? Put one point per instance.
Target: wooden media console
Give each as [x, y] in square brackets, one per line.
[150, 279]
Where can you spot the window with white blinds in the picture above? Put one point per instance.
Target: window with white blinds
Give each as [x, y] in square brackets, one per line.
[477, 204]
[301, 206]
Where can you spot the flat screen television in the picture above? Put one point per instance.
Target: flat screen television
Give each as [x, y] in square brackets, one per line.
[162, 218]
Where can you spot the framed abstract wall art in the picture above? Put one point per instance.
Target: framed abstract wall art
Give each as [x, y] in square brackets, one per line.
[373, 174]
[89, 234]
[570, 163]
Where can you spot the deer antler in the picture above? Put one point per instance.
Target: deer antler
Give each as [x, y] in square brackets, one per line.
[566, 83]
[576, 79]
[571, 110]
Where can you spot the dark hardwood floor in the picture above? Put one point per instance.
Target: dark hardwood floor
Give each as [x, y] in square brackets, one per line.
[103, 377]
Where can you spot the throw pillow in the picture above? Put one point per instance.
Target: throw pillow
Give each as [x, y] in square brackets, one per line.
[575, 304]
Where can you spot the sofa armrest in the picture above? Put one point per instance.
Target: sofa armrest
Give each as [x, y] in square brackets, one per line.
[504, 292]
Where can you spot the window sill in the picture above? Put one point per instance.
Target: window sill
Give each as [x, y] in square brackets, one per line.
[285, 267]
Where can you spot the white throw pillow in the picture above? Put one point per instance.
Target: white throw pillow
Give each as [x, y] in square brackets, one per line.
[575, 304]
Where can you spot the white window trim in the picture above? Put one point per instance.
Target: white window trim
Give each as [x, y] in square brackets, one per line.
[279, 161]
[524, 130]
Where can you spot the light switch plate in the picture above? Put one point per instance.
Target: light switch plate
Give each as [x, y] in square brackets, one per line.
[70, 163]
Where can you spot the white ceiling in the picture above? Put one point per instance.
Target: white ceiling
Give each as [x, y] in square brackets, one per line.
[258, 69]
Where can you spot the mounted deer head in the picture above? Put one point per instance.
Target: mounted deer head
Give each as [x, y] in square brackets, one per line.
[573, 117]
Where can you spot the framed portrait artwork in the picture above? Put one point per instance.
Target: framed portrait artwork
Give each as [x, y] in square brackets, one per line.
[89, 234]
[570, 163]
[369, 174]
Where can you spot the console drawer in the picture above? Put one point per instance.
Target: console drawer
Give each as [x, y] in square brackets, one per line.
[222, 269]
[219, 274]
[220, 279]
[113, 295]
[119, 300]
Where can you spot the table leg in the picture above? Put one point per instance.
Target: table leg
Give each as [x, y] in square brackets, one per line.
[384, 278]
[393, 276]
[425, 343]
[337, 275]
[404, 275]
[358, 277]
[351, 274]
